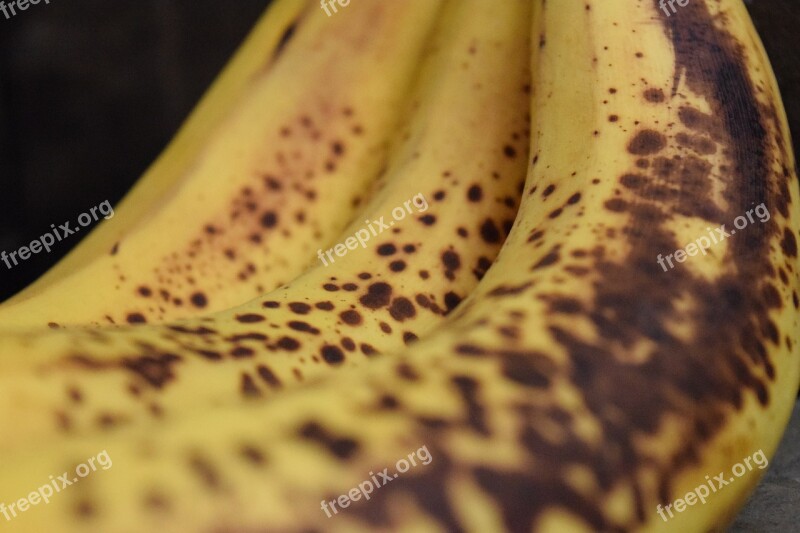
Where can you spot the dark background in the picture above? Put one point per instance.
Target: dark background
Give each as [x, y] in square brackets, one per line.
[91, 91]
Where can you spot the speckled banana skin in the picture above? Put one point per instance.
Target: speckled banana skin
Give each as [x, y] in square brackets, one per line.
[245, 205]
[580, 385]
[464, 148]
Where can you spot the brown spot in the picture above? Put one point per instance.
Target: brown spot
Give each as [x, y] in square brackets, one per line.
[341, 447]
[288, 343]
[475, 193]
[348, 344]
[451, 300]
[205, 471]
[654, 95]
[333, 355]
[368, 349]
[647, 142]
[387, 249]
[616, 205]
[269, 219]
[409, 337]
[252, 454]
[136, 318]
[378, 295]
[489, 231]
[199, 300]
[299, 308]
[451, 260]
[351, 317]
[305, 327]
[248, 387]
[241, 352]
[789, 243]
[402, 309]
[249, 318]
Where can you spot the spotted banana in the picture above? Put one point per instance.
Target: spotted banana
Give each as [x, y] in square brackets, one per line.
[581, 386]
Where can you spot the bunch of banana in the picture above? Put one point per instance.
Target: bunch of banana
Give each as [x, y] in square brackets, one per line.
[374, 300]
[580, 386]
[271, 166]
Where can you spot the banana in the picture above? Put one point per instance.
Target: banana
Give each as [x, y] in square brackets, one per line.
[581, 384]
[449, 194]
[262, 181]
[257, 53]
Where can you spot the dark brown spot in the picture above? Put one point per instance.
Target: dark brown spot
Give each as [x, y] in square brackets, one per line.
[305, 327]
[789, 243]
[249, 318]
[451, 260]
[288, 343]
[378, 295]
[402, 309]
[451, 300]
[241, 352]
[248, 387]
[269, 219]
[475, 193]
[654, 95]
[333, 355]
[489, 231]
[351, 317]
[299, 308]
[136, 318]
[387, 249]
[647, 142]
[199, 300]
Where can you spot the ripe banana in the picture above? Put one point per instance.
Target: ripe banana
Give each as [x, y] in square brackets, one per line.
[256, 54]
[279, 175]
[464, 145]
[581, 384]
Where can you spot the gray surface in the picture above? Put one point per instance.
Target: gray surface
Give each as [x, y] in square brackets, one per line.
[775, 504]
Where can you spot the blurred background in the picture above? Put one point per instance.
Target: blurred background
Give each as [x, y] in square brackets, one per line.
[91, 91]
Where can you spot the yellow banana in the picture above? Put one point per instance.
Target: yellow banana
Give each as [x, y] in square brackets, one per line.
[423, 251]
[279, 175]
[582, 384]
